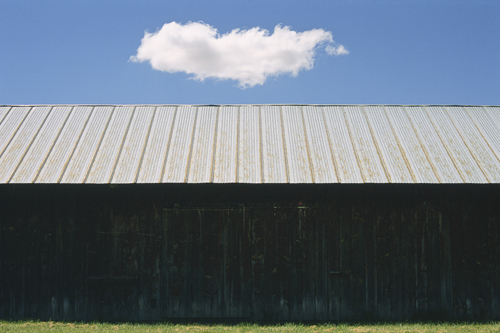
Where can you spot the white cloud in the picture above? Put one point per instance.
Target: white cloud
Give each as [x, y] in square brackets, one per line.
[336, 50]
[248, 56]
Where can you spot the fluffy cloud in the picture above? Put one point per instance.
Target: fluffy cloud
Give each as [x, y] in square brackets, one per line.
[336, 50]
[247, 56]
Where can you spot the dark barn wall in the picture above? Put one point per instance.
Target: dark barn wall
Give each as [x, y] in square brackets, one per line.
[274, 252]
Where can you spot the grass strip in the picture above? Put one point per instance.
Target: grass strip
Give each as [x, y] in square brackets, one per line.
[51, 326]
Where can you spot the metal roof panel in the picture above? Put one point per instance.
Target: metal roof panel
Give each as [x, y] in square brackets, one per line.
[476, 144]
[40, 148]
[486, 126]
[202, 154]
[273, 148]
[457, 150]
[132, 151]
[177, 161]
[391, 154]
[489, 123]
[320, 152]
[250, 144]
[367, 155]
[10, 126]
[157, 145]
[88, 145]
[21, 142]
[299, 168]
[432, 145]
[340, 142]
[110, 148]
[226, 148]
[411, 148]
[4, 110]
[59, 156]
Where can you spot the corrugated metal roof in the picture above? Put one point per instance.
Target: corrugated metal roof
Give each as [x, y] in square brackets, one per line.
[249, 144]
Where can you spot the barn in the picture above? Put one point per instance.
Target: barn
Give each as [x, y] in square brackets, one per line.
[249, 212]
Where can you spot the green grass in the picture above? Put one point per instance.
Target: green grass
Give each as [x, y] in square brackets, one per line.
[50, 326]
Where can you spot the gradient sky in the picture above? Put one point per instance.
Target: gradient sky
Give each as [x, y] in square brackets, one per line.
[401, 52]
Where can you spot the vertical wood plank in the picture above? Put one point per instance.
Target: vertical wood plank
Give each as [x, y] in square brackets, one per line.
[69, 258]
[15, 262]
[246, 253]
[445, 250]
[210, 263]
[222, 264]
[296, 291]
[87, 217]
[457, 232]
[383, 257]
[4, 224]
[370, 224]
[30, 221]
[358, 243]
[104, 255]
[420, 216]
[198, 273]
[433, 220]
[333, 257]
[270, 291]
[155, 229]
[59, 254]
[394, 239]
[177, 271]
[477, 243]
[307, 272]
[468, 260]
[258, 276]
[176, 261]
[494, 252]
[145, 257]
[269, 268]
[45, 241]
[186, 309]
[322, 313]
[166, 263]
[408, 272]
[345, 235]
[233, 295]
[84, 231]
[282, 269]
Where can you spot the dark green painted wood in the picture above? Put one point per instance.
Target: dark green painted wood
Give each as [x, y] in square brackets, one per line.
[266, 252]
[333, 260]
[370, 239]
[345, 254]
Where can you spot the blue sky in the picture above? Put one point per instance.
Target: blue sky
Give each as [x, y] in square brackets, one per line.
[400, 52]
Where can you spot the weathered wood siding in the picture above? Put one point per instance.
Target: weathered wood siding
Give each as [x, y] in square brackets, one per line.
[254, 252]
